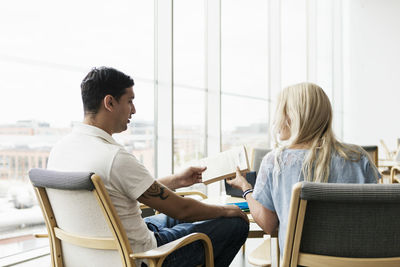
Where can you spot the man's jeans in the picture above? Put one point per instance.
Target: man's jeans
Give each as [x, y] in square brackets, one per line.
[227, 236]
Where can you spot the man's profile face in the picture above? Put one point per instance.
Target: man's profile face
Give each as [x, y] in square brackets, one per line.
[123, 110]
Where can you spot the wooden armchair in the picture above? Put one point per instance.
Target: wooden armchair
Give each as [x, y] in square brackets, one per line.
[336, 225]
[263, 254]
[84, 228]
[394, 171]
[257, 156]
[373, 153]
[343, 225]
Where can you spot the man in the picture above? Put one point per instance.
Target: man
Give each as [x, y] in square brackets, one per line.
[107, 96]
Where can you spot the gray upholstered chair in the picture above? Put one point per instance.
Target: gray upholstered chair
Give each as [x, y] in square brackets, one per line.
[373, 153]
[340, 225]
[84, 228]
[343, 225]
[257, 155]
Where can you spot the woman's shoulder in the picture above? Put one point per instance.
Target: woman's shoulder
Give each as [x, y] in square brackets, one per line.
[354, 154]
[352, 151]
[268, 159]
[282, 155]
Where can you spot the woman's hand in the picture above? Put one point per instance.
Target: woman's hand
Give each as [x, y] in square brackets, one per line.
[239, 181]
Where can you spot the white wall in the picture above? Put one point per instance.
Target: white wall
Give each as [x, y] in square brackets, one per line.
[372, 72]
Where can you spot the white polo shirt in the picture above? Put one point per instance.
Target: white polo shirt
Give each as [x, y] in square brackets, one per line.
[91, 149]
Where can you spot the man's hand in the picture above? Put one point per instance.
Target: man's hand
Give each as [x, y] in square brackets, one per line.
[185, 178]
[239, 181]
[189, 176]
[234, 211]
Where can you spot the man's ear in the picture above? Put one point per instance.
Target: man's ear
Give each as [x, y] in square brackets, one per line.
[108, 102]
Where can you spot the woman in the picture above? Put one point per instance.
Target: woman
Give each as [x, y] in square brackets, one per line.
[307, 150]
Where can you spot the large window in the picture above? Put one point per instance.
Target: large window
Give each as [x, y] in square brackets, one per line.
[244, 100]
[206, 76]
[189, 81]
[46, 49]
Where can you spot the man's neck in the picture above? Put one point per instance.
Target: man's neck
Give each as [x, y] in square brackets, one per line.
[95, 121]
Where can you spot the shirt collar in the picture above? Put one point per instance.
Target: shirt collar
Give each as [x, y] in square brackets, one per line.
[87, 129]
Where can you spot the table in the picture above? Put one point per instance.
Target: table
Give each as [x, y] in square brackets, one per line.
[389, 164]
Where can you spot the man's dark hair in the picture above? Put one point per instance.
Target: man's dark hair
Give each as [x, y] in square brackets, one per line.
[100, 82]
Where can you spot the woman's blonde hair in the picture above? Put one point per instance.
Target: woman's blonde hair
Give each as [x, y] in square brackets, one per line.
[306, 111]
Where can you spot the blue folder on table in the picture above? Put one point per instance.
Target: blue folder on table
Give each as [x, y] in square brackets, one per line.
[242, 205]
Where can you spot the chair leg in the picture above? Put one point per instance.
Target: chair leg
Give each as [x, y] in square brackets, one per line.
[261, 256]
[276, 252]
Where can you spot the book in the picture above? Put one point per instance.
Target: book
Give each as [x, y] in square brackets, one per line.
[223, 165]
[234, 192]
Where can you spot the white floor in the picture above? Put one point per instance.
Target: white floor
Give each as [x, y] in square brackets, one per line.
[239, 261]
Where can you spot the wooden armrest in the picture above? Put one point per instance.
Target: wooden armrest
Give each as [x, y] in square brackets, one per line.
[41, 235]
[166, 249]
[261, 256]
[395, 170]
[192, 193]
[143, 206]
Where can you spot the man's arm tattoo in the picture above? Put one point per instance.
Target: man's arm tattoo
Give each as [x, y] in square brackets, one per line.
[156, 190]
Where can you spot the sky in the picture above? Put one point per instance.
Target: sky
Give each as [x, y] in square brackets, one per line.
[47, 47]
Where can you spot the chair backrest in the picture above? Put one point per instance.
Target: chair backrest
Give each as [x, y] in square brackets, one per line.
[397, 155]
[373, 153]
[257, 156]
[343, 225]
[84, 228]
[388, 154]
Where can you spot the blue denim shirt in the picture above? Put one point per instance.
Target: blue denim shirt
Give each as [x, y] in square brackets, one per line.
[274, 184]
